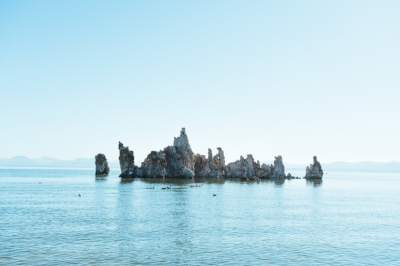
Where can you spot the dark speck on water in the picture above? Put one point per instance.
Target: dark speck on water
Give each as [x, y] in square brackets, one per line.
[346, 219]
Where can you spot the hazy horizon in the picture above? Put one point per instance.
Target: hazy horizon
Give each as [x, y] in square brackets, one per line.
[291, 78]
[138, 162]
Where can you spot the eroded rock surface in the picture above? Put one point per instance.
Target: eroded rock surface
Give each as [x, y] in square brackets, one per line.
[243, 168]
[101, 163]
[278, 170]
[154, 166]
[179, 161]
[213, 166]
[126, 161]
[174, 161]
[314, 171]
[251, 170]
[179, 157]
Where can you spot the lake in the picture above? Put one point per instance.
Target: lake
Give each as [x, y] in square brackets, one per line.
[347, 219]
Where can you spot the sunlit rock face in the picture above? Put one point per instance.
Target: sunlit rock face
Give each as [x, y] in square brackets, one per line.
[250, 170]
[101, 163]
[314, 171]
[179, 161]
[243, 168]
[213, 166]
[179, 157]
[126, 161]
[278, 170]
[173, 162]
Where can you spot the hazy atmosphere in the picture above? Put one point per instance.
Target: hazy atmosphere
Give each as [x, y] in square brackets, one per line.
[295, 78]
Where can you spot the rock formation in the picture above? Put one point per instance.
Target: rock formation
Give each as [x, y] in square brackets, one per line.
[154, 166]
[179, 158]
[210, 167]
[278, 170]
[126, 161]
[251, 170]
[243, 168]
[314, 171]
[179, 161]
[174, 161]
[101, 163]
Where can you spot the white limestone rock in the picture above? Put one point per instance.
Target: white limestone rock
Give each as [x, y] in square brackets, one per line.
[243, 168]
[251, 170]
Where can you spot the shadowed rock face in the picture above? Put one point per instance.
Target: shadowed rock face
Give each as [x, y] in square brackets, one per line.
[202, 165]
[278, 170]
[154, 166]
[210, 167]
[101, 163]
[174, 161]
[314, 171]
[179, 158]
[126, 161]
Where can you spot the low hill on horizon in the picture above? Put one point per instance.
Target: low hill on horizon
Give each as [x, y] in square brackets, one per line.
[367, 166]
[23, 161]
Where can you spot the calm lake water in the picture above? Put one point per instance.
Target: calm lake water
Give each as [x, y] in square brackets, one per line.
[347, 219]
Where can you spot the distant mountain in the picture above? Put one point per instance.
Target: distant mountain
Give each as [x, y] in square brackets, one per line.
[17, 161]
[393, 166]
[23, 161]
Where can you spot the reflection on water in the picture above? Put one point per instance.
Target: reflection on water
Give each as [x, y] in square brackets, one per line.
[314, 182]
[279, 182]
[270, 222]
[127, 180]
[221, 180]
[181, 181]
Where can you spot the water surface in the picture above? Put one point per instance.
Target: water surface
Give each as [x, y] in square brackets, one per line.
[347, 219]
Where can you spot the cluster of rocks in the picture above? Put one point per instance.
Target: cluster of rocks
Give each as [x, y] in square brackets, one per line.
[314, 171]
[174, 161]
[251, 170]
[212, 166]
[179, 161]
[101, 163]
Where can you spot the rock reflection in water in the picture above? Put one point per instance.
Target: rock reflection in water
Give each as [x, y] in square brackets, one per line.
[182, 182]
[126, 180]
[314, 182]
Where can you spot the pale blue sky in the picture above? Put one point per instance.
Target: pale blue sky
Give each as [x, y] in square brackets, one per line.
[295, 78]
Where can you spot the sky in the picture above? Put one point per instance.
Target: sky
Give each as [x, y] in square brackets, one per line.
[290, 78]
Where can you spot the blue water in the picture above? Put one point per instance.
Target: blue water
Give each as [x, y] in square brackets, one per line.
[347, 219]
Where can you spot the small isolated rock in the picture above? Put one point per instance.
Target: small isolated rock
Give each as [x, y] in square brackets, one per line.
[314, 171]
[126, 161]
[101, 163]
